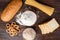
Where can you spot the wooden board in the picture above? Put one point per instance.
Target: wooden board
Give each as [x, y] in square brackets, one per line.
[41, 18]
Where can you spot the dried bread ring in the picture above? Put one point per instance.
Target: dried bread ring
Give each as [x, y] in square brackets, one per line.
[13, 23]
[7, 25]
[17, 28]
[13, 29]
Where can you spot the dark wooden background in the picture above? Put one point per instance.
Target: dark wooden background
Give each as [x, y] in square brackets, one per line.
[42, 17]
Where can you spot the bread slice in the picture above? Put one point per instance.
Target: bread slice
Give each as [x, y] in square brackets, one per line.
[49, 27]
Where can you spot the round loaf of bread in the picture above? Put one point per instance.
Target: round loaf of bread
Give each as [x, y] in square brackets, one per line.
[29, 34]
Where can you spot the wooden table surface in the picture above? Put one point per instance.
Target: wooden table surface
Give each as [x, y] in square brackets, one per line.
[41, 19]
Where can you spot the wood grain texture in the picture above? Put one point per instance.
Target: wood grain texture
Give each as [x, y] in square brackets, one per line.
[42, 18]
